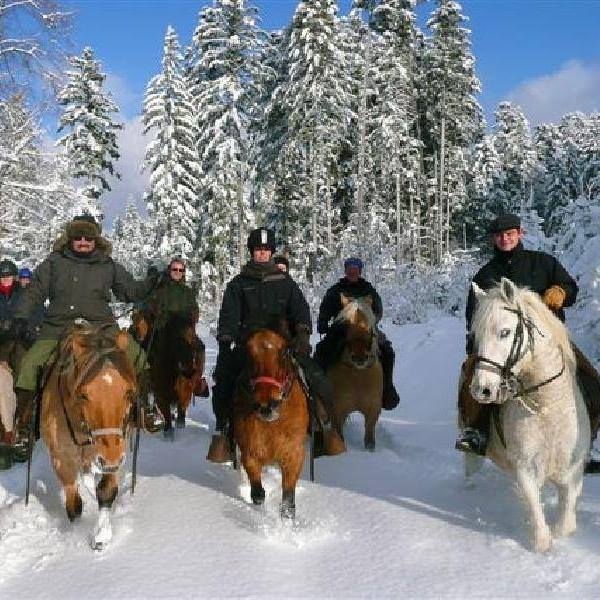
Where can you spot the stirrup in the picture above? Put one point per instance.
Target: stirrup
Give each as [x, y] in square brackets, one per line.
[20, 448]
[152, 419]
[472, 440]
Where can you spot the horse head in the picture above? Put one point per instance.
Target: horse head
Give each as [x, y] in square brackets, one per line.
[271, 373]
[508, 325]
[359, 322]
[97, 388]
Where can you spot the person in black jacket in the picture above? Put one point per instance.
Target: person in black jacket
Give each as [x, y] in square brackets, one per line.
[352, 285]
[261, 296]
[543, 274]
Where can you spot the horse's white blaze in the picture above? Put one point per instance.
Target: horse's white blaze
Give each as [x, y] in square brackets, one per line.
[107, 377]
[103, 530]
[8, 400]
[547, 432]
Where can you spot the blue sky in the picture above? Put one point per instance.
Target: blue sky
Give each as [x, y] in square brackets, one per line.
[542, 54]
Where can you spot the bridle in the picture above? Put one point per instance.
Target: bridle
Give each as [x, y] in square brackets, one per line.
[509, 381]
[284, 385]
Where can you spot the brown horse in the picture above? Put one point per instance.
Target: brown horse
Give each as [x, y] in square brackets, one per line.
[85, 416]
[270, 416]
[356, 376]
[177, 358]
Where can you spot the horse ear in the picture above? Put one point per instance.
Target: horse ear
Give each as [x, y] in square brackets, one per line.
[344, 300]
[122, 340]
[479, 293]
[508, 289]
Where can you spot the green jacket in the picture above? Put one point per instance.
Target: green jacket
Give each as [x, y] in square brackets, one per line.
[174, 297]
[78, 287]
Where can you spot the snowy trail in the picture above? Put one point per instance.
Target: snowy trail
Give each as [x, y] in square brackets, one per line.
[397, 522]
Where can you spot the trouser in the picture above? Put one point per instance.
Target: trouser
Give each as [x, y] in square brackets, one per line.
[42, 350]
[476, 415]
[330, 348]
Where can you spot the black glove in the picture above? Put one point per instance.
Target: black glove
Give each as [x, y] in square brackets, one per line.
[301, 343]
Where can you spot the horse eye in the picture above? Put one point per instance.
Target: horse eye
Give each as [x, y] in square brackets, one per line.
[82, 398]
[504, 333]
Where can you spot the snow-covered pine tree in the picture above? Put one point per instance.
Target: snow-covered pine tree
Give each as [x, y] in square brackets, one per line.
[132, 240]
[453, 115]
[171, 157]
[226, 81]
[91, 141]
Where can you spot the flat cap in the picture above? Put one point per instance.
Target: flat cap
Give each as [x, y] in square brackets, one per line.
[504, 222]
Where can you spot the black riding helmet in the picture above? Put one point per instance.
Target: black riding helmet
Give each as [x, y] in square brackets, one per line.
[261, 237]
[8, 268]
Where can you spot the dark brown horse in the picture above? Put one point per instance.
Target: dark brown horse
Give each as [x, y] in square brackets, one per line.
[85, 416]
[270, 416]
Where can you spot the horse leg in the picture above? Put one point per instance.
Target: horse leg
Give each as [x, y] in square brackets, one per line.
[66, 471]
[254, 470]
[568, 492]
[290, 472]
[370, 422]
[530, 491]
[106, 492]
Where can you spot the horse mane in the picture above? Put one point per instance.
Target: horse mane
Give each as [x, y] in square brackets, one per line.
[348, 314]
[531, 304]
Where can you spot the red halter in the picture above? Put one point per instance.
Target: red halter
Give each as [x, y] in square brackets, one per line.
[270, 380]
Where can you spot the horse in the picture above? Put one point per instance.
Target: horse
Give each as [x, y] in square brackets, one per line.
[356, 376]
[176, 361]
[541, 433]
[270, 416]
[85, 417]
[11, 353]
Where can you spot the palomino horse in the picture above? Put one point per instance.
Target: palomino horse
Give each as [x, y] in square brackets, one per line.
[525, 364]
[85, 415]
[270, 416]
[356, 376]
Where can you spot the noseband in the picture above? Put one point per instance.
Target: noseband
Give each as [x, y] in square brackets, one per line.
[509, 381]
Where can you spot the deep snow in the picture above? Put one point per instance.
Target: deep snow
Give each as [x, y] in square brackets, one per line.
[399, 522]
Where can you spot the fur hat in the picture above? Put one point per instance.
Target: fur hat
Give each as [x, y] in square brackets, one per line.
[83, 225]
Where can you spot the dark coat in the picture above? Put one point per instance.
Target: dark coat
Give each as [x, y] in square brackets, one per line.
[261, 296]
[332, 303]
[173, 298]
[536, 270]
[78, 287]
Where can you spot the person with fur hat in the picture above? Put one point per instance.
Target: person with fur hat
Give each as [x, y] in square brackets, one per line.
[77, 279]
[261, 296]
[543, 274]
[353, 285]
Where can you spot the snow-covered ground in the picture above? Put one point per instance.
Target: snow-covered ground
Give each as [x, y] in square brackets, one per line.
[399, 522]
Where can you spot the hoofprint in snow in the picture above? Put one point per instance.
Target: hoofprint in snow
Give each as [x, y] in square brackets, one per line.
[397, 522]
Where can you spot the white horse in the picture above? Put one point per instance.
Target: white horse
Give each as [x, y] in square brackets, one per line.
[526, 365]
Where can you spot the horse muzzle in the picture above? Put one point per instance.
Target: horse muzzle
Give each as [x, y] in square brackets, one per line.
[108, 467]
[268, 412]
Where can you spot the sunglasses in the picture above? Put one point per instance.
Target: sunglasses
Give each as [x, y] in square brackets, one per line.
[176, 270]
[83, 238]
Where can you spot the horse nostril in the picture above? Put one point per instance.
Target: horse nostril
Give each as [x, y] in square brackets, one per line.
[486, 392]
[101, 461]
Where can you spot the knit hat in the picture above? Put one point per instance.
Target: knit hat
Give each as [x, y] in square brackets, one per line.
[8, 268]
[83, 226]
[353, 261]
[25, 273]
[505, 222]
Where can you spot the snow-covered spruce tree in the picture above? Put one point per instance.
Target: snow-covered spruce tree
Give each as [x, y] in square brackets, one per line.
[35, 196]
[132, 240]
[513, 143]
[171, 157]
[226, 78]
[453, 116]
[316, 104]
[91, 141]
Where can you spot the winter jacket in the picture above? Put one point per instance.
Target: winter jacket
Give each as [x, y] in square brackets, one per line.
[261, 296]
[78, 286]
[536, 270]
[331, 304]
[173, 297]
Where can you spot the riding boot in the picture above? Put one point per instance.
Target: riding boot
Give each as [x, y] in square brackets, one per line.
[474, 437]
[20, 447]
[390, 398]
[152, 420]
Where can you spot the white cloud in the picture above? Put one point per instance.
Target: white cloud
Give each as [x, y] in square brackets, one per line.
[128, 100]
[132, 146]
[574, 87]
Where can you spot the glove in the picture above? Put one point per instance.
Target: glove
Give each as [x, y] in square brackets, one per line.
[225, 344]
[554, 297]
[301, 343]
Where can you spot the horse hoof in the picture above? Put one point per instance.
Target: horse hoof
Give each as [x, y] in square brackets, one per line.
[169, 434]
[370, 446]
[180, 422]
[288, 512]
[257, 493]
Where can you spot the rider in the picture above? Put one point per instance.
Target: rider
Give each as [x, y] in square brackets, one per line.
[35, 320]
[541, 273]
[352, 285]
[9, 293]
[261, 296]
[77, 278]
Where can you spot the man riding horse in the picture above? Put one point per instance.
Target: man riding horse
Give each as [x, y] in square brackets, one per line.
[352, 285]
[77, 278]
[543, 274]
[261, 296]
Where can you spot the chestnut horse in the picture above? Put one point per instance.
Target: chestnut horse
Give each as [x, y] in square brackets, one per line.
[270, 416]
[356, 376]
[176, 357]
[85, 416]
